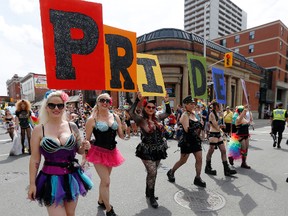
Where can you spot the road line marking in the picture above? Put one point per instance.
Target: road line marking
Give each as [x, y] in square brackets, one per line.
[5, 140]
[2, 155]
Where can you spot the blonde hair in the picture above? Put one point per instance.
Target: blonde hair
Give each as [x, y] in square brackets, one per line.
[95, 108]
[43, 114]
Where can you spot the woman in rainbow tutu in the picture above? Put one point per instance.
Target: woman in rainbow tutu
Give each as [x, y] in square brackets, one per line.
[239, 142]
[61, 179]
[104, 153]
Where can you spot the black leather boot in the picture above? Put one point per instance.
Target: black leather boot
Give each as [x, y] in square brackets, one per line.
[209, 170]
[244, 164]
[111, 212]
[152, 199]
[227, 170]
[231, 160]
[199, 182]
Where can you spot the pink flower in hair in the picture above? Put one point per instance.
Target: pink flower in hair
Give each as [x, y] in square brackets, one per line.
[64, 96]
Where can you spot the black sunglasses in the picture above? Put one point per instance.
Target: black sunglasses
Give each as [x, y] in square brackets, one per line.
[102, 100]
[53, 106]
[151, 107]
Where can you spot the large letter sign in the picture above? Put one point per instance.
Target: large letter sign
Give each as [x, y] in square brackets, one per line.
[73, 44]
[197, 76]
[149, 76]
[120, 59]
[219, 85]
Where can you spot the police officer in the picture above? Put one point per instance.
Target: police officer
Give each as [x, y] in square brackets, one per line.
[279, 117]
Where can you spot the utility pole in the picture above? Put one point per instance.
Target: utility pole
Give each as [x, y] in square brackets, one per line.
[206, 5]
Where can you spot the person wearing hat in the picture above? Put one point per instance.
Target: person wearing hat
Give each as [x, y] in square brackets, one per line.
[153, 146]
[278, 118]
[216, 140]
[190, 142]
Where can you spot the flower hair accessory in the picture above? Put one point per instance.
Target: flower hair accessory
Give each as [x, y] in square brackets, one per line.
[48, 93]
[144, 103]
[64, 96]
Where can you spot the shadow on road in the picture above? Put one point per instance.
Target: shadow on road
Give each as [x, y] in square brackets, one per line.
[13, 158]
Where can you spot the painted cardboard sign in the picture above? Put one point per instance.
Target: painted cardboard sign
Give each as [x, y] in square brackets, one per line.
[149, 76]
[219, 85]
[197, 76]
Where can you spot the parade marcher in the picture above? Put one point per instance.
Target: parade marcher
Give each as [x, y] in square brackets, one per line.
[23, 119]
[216, 140]
[153, 146]
[190, 142]
[227, 116]
[9, 123]
[61, 180]
[104, 154]
[278, 118]
[239, 142]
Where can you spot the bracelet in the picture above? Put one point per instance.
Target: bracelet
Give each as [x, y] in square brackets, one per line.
[167, 102]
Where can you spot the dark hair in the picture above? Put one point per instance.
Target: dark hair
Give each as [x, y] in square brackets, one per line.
[214, 105]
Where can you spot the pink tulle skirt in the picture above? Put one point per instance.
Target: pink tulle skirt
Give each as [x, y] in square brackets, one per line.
[106, 157]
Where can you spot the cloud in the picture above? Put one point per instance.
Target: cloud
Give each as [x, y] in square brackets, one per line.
[22, 6]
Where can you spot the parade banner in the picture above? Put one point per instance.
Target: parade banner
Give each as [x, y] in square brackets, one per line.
[149, 76]
[73, 41]
[245, 90]
[120, 59]
[197, 76]
[219, 85]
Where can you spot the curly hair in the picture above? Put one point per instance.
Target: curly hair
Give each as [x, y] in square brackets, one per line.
[27, 105]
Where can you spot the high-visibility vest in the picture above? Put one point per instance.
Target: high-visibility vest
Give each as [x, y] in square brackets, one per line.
[279, 114]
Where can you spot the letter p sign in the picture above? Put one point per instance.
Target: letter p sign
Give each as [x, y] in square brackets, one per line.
[73, 44]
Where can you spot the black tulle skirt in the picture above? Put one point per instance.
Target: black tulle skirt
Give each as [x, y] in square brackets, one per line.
[152, 152]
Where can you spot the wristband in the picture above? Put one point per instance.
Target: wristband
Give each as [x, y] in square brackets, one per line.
[167, 102]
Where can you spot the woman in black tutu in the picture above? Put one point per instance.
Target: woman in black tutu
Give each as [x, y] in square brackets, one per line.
[153, 145]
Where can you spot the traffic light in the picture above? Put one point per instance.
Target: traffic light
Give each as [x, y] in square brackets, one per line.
[228, 59]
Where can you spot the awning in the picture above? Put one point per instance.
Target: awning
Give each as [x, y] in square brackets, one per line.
[73, 99]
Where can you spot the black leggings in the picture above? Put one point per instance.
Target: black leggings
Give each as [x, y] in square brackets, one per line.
[151, 168]
[28, 132]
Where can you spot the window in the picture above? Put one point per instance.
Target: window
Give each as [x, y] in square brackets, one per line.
[223, 42]
[281, 30]
[251, 35]
[251, 48]
[236, 50]
[281, 45]
[237, 38]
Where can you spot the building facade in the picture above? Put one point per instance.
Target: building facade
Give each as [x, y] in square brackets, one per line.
[14, 88]
[171, 47]
[222, 17]
[267, 46]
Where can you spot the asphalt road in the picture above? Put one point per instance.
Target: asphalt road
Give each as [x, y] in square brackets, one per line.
[259, 191]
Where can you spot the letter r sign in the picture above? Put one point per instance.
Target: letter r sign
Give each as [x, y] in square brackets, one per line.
[73, 44]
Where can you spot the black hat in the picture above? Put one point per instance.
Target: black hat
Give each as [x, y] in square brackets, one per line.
[188, 99]
[151, 101]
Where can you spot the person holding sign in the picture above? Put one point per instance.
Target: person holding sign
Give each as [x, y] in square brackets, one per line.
[104, 154]
[61, 179]
[153, 145]
[216, 140]
[190, 142]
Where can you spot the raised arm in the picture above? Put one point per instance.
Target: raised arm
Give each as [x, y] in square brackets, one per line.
[168, 108]
[132, 112]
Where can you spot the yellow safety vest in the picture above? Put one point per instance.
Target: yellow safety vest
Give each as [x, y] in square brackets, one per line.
[279, 114]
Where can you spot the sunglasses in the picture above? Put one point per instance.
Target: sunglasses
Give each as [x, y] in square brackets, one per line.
[102, 100]
[151, 107]
[53, 106]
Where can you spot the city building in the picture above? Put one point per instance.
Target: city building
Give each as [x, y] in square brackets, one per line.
[267, 46]
[222, 17]
[14, 88]
[172, 45]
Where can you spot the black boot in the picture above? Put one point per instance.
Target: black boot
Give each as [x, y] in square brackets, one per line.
[199, 182]
[152, 199]
[231, 160]
[227, 170]
[209, 170]
[279, 141]
[111, 212]
[171, 177]
[244, 164]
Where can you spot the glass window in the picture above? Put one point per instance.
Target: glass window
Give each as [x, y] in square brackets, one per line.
[251, 48]
[223, 42]
[251, 35]
[237, 38]
[236, 50]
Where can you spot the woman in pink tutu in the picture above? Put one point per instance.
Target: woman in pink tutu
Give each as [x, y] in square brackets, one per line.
[104, 153]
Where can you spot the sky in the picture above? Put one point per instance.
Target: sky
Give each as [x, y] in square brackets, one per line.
[21, 43]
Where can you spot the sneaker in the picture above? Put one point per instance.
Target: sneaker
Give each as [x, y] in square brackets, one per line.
[171, 177]
[199, 182]
[101, 205]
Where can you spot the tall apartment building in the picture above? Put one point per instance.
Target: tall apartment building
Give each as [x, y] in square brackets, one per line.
[223, 17]
[267, 46]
